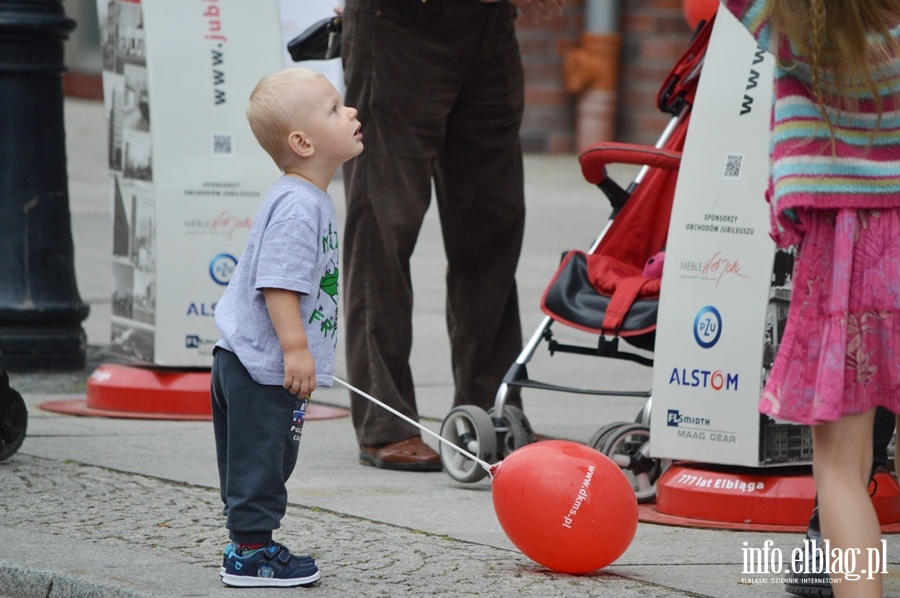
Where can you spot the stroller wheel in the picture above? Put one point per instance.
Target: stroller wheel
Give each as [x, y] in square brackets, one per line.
[471, 429]
[643, 416]
[629, 448]
[596, 441]
[513, 430]
[13, 424]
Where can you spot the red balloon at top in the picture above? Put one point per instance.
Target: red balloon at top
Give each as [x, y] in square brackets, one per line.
[698, 10]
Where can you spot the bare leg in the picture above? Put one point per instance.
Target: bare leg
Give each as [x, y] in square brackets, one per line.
[842, 462]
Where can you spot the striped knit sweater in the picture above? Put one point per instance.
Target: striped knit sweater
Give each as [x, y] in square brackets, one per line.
[803, 171]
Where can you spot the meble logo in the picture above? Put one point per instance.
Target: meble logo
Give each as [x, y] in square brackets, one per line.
[707, 326]
[221, 267]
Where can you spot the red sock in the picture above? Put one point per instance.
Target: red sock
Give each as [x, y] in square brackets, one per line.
[242, 548]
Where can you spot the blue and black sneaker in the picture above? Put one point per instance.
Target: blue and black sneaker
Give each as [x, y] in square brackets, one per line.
[271, 566]
[229, 550]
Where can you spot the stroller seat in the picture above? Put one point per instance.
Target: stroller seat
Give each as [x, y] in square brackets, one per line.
[603, 291]
[627, 309]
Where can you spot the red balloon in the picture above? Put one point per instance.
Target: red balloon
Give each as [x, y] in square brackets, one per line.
[565, 505]
[698, 10]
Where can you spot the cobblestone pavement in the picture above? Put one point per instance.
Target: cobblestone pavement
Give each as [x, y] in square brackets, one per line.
[93, 508]
[358, 557]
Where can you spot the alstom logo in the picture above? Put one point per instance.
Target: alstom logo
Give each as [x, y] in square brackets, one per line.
[697, 378]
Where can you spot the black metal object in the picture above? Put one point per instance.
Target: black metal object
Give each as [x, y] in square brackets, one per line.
[40, 308]
[13, 419]
[321, 41]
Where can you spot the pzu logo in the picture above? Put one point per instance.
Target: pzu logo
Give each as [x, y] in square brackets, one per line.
[221, 267]
[707, 327]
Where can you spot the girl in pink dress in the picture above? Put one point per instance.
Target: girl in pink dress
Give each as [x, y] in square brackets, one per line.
[835, 193]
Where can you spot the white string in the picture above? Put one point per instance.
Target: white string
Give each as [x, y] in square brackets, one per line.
[486, 466]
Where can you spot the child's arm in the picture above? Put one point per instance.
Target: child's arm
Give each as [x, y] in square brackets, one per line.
[299, 367]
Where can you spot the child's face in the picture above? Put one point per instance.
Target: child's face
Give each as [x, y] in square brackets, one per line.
[331, 127]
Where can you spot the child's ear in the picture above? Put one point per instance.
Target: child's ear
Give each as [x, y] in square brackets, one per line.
[300, 145]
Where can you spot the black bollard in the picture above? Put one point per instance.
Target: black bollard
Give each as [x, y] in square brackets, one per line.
[40, 308]
[13, 418]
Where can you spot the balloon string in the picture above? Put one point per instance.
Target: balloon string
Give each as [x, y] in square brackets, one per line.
[484, 464]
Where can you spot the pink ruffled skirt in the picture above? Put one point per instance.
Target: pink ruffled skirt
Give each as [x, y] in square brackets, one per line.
[840, 353]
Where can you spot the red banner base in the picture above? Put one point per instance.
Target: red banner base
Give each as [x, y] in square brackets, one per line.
[779, 499]
[135, 392]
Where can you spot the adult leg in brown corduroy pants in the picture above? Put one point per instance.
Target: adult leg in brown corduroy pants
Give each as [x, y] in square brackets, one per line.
[439, 89]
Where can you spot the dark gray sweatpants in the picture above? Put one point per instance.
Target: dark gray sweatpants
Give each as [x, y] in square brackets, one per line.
[256, 447]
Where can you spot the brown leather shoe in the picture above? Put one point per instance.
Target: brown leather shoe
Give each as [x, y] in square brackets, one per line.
[411, 454]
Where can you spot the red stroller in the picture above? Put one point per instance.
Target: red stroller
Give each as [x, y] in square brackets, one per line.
[600, 292]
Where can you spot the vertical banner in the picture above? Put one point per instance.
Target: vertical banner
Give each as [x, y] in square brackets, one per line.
[186, 174]
[717, 283]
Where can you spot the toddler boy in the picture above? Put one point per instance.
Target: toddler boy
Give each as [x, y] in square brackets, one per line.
[278, 320]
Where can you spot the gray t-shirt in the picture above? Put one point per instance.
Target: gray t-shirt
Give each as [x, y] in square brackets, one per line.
[293, 245]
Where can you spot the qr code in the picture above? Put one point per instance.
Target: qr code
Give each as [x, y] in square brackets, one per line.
[222, 144]
[733, 166]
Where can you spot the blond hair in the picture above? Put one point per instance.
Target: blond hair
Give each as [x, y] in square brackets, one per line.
[845, 43]
[273, 111]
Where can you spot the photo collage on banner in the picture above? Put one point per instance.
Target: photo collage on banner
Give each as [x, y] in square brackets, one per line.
[129, 145]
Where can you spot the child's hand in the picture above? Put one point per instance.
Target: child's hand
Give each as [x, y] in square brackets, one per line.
[299, 372]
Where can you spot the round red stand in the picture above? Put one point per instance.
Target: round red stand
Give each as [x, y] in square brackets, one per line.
[772, 499]
[154, 393]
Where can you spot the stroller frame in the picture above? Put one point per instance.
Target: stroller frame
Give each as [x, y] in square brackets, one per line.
[517, 376]
[504, 428]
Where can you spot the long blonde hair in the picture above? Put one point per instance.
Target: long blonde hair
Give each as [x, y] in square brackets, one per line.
[844, 42]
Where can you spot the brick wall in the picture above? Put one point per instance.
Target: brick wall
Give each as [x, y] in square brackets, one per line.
[654, 35]
[549, 121]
